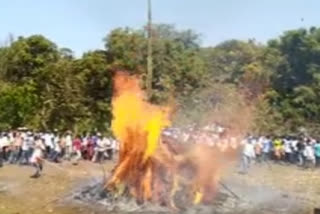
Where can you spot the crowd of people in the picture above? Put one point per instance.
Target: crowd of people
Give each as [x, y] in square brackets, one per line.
[301, 151]
[30, 148]
[296, 150]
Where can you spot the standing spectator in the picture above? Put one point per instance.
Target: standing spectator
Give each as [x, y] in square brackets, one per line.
[115, 147]
[68, 147]
[25, 149]
[90, 148]
[48, 141]
[109, 148]
[309, 154]
[5, 146]
[9, 149]
[287, 150]
[266, 148]
[258, 149]
[295, 153]
[301, 152]
[76, 144]
[247, 155]
[277, 146]
[101, 149]
[84, 146]
[1, 151]
[56, 150]
[317, 153]
[62, 143]
[15, 149]
[30, 142]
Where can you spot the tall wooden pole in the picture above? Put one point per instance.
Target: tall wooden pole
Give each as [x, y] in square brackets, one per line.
[149, 60]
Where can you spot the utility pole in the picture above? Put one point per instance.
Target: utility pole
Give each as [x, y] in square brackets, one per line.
[149, 60]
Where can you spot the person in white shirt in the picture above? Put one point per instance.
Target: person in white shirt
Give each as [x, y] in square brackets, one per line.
[247, 155]
[310, 155]
[5, 146]
[248, 149]
[68, 146]
[258, 144]
[1, 151]
[31, 143]
[37, 157]
[15, 148]
[56, 152]
[24, 159]
[288, 150]
[101, 148]
[266, 149]
[110, 148]
[48, 142]
[115, 147]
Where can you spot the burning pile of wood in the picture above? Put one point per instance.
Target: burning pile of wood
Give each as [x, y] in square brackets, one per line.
[151, 168]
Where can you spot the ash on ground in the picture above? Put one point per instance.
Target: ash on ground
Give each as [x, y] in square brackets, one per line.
[235, 199]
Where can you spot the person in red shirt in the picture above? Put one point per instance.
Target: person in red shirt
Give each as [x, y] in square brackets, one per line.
[90, 148]
[76, 144]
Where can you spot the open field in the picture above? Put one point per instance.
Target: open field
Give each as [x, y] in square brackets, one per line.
[20, 194]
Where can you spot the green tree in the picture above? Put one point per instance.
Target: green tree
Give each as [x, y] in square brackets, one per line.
[177, 66]
[296, 78]
[26, 56]
[17, 106]
[96, 81]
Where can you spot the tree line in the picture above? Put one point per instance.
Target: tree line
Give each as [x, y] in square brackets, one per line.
[44, 87]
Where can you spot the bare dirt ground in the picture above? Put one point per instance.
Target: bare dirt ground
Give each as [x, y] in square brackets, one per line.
[21, 195]
[302, 183]
[273, 184]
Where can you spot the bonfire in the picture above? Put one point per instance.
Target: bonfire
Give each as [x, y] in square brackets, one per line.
[152, 168]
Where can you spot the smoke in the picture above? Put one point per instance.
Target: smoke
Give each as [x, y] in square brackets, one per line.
[221, 104]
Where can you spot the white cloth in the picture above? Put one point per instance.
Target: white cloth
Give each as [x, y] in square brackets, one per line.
[37, 152]
[57, 147]
[1, 142]
[114, 144]
[48, 140]
[25, 145]
[287, 146]
[11, 138]
[248, 150]
[36, 156]
[69, 140]
[23, 135]
[85, 141]
[103, 144]
[309, 153]
[6, 141]
[294, 145]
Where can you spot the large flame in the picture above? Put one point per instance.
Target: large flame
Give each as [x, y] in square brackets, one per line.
[149, 167]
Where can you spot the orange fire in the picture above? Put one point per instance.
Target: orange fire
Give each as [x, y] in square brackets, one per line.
[151, 168]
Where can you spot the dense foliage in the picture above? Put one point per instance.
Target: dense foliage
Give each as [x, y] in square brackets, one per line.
[45, 87]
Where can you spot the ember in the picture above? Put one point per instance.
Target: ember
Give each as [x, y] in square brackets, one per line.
[150, 168]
